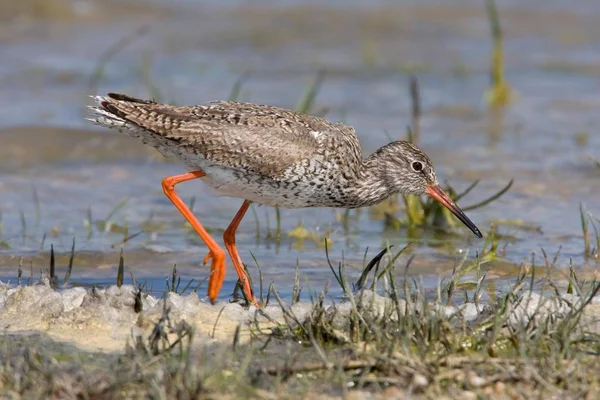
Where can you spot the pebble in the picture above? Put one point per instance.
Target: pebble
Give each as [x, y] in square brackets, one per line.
[420, 381]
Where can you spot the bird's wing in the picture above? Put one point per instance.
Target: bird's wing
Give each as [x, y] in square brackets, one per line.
[258, 138]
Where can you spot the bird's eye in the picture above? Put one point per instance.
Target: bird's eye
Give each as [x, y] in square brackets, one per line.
[417, 166]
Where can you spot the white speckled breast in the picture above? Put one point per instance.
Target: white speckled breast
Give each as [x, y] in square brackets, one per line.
[297, 191]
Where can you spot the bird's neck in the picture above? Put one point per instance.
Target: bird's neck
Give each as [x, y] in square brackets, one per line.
[371, 185]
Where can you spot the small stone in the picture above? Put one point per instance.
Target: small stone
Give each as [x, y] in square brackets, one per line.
[419, 381]
[343, 309]
[149, 302]
[468, 395]
[236, 312]
[274, 311]
[342, 313]
[359, 395]
[120, 297]
[470, 311]
[474, 380]
[448, 311]
[183, 304]
[533, 305]
[113, 291]
[391, 393]
[301, 310]
[73, 298]
[499, 387]
[378, 306]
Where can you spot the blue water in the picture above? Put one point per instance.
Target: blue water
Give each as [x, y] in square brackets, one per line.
[194, 53]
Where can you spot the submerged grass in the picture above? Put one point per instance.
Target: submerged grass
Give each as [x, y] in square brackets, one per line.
[591, 246]
[111, 52]
[414, 132]
[499, 94]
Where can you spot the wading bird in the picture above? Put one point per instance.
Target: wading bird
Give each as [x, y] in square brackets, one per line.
[268, 155]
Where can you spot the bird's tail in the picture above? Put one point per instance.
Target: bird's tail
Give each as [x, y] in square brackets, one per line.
[106, 114]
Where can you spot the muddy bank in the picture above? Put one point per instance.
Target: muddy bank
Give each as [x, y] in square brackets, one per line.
[108, 319]
[19, 12]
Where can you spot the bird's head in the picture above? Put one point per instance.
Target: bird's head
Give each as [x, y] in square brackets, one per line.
[408, 170]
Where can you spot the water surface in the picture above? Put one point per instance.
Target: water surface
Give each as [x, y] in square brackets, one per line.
[194, 53]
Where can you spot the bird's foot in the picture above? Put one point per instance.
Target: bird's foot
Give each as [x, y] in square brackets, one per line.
[217, 273]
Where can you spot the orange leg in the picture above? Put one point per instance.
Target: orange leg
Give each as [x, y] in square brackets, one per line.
[217, 255]
[229, 239]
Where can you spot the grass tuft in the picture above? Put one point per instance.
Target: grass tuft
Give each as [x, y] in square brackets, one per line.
[52, 268]
[236, 89]
[414, 130]
[589, 220]
[121, 270]
[70, 265]
[381, 335]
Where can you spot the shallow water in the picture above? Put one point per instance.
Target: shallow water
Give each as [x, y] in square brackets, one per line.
[194, 54]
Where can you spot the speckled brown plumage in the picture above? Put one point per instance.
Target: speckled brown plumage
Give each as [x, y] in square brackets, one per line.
[274, 156]
[279, 157]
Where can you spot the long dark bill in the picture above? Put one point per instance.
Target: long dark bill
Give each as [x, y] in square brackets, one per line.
[437, 193]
